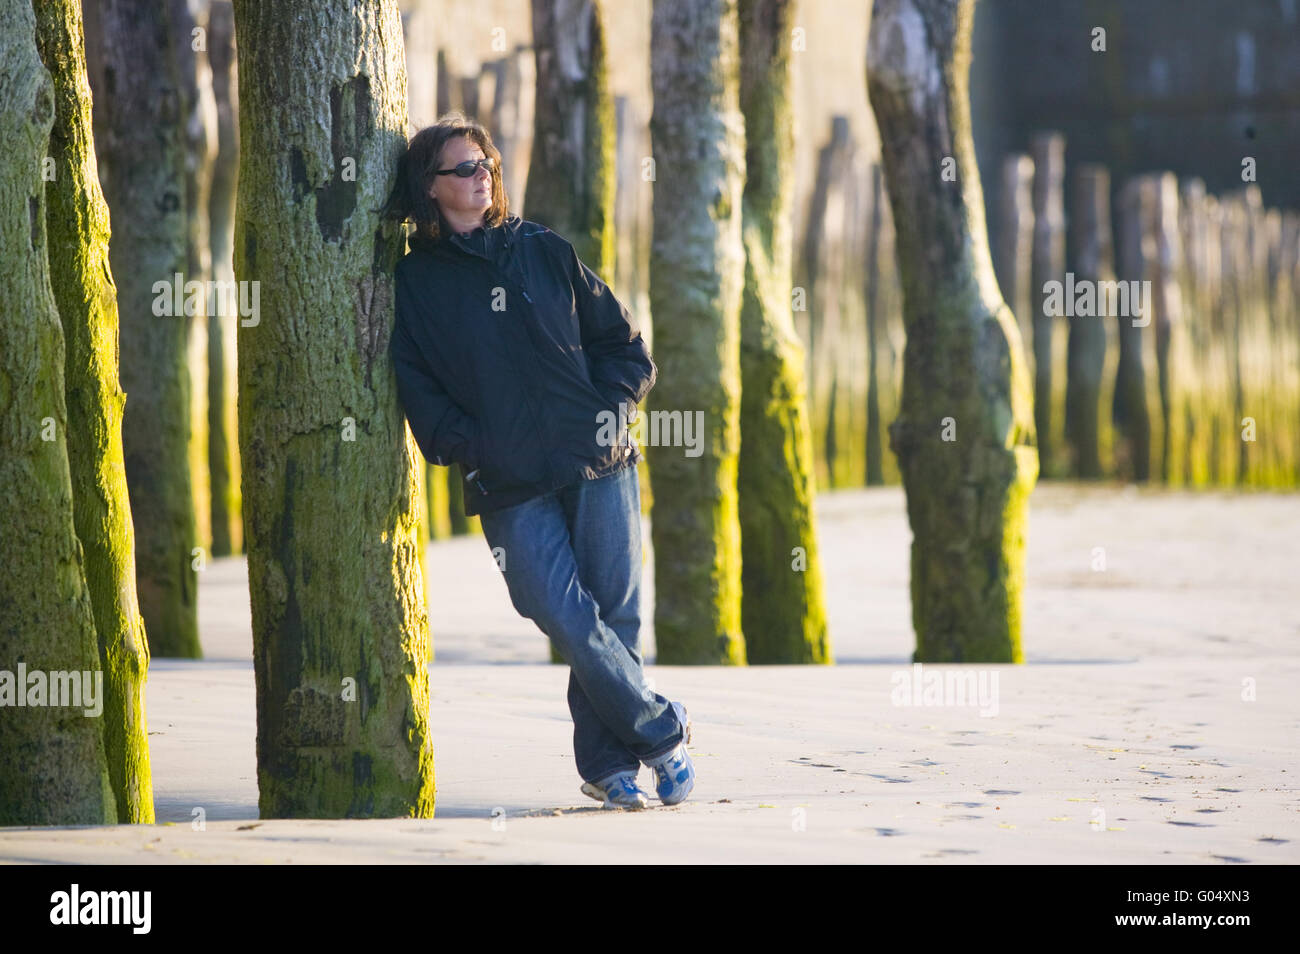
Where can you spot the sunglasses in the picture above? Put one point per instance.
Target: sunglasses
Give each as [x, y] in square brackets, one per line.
[467, 168]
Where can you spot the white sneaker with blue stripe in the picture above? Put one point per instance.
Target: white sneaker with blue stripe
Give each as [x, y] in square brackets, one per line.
[674, 772]
[619, 790]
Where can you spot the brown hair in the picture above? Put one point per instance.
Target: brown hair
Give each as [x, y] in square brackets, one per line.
[415, 169]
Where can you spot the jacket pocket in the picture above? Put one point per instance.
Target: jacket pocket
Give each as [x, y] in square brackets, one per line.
[613, 435]
[511, 457]
[474, 455]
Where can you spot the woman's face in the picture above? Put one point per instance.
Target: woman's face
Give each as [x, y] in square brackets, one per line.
[463, 198]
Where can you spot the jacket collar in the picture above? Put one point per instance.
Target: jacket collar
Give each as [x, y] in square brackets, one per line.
[485, 242]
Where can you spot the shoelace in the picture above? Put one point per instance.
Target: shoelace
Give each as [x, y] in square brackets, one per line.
[669, 765]
[623, 786]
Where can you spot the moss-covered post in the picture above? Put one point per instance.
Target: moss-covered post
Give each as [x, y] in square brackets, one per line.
[422, 543]
[340, 628]
[1230, 323]
[78, 232]
[51, 740]
[696, 273]
[571, 175]
[872, 299]
[1047, 150]
[199, 120]
[460, 524]
[143, 172]
[1093, 261]
[1131, 411]
[435, 499]
[1199, 294]
[1171, 345]
[1014, 255]
[1284, 335]
[223, 422]
[885, 325]
[965, 432]
[783, 612]
[1258, 421]
[824, 258]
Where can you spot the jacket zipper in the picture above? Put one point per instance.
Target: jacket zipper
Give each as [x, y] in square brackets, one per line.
[537, 428]
[473, 475]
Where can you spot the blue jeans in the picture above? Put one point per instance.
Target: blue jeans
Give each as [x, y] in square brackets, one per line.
[572, 563]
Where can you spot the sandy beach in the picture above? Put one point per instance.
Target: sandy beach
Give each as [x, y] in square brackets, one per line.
[1155, 719]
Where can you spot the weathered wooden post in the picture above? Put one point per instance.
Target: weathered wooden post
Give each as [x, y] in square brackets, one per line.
[873, 297]
[696, 274]
[223, 420]
[1131, 413]
[1047, 150]
[1013, 256]
[340, 626]
[1171, 343]
[824, 270]
[964, 436]
[1195, 297]
[1089, 335]
[783, 611]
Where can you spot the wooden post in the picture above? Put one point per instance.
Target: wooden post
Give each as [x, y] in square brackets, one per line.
[77, 233]
[1286, 331]
[1089, 335]
[53, 755]
[223, 420]
[824, 271]
[697, 265]
[1254, 351]
[1232, 228]
[1014, 254]
[1131, 412]
[1172, 369]
[143, 153]
[964, 435]
[783, 612]
[340, 627]
[1198, 290]
[199, 119]
[873, 297]
[1048, 152]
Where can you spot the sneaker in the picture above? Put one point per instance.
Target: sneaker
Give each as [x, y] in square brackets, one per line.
[619, 790]
[685, 720]
[674, 772]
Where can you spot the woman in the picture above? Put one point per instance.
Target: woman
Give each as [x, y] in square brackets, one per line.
[516, 362]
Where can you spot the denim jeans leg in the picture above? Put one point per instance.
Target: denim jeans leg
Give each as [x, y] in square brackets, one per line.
[604, 519]
[541, 573]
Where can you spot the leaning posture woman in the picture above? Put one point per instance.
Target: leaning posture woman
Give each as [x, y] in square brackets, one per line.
[516, 362]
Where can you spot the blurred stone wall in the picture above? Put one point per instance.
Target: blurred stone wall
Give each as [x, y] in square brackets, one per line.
[1191, 86]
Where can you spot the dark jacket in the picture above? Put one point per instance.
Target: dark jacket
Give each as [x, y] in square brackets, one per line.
[507, 349]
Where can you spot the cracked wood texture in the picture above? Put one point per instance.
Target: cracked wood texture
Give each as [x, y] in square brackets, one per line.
[54, 769]
[78, 239]
[329, 469]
